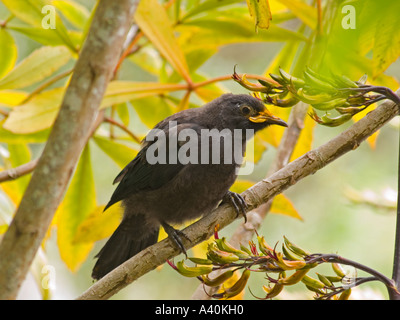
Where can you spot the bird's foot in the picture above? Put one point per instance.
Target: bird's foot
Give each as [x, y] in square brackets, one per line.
[237, 201]
[176, 236]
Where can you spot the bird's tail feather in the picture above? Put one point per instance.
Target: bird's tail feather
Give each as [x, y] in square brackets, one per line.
[127, 240]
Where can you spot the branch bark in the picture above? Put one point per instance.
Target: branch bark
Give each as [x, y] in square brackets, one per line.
[92, 72]
[260, 193]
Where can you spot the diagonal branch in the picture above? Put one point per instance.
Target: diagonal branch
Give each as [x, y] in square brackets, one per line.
[260, 193]
[79, 108]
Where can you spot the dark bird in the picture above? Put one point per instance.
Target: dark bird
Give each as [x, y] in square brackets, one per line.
[182, 173]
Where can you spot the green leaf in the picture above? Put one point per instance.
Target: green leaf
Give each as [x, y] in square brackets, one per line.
[123, 112]
[207, 6]
[8, 54]
[259, 10]
[78, 203]
[123, 91]
[255, 149]
[303, 11]
[37, 66]
[99, 225]
[231, 29]
[77, 14]
[29, 11]
[33, 12]
[40, 112]
[305, 140]
[46, 37]
[386, 48]
[152, 110]
[120, 153]
[153, 20]
[37, 114]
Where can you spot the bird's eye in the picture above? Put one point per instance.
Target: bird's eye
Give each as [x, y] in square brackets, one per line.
[246, 110]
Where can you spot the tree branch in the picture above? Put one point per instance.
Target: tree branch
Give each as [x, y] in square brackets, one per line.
[260, 193]
[91, 75]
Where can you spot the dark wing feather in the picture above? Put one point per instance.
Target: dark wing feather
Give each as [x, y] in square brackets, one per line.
[139, 175]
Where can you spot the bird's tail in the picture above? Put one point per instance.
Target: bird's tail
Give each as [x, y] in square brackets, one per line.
[128, 239]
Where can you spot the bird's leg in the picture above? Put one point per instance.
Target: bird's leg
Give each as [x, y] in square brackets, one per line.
[176, 236]
[237, 201]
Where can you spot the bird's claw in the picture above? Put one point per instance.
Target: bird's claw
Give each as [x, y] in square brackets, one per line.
[237, 201]
[176, 236]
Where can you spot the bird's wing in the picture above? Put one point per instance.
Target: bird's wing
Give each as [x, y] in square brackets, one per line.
[140, 175]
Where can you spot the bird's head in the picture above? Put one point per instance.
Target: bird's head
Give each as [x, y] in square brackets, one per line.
[242, 111]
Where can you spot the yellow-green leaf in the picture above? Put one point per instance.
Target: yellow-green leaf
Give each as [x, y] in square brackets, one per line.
[76, 13]
[153, 20]
[372, 138]
[123, 112]
[255, 149]
[304, 142]
[241, 185]
[98, 225]
[37, 114]
[46, 37]
[282, 205]
[123, 91]
[259, 10]
[37, 66]
[303, 11]
[386, 48]
[78, 203]
[11, 98]
[152, 110]
[207, 6]
[120, 153]
[38, 13]
[8, 54]
[9, 137]
[40, 112]
[29, 11]
[231, 29]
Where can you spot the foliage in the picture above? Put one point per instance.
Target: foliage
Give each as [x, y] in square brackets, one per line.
[172, 41]
[225, 260]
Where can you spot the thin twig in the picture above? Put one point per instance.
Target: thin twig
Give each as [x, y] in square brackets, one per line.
[122, 127]
[47, 84]
[15, 173]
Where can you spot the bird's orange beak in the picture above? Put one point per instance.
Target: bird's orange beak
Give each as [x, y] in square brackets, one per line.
[266, 116]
